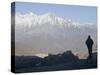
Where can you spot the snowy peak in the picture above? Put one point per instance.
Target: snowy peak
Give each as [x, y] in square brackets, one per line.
[49, 15]
[31, 19]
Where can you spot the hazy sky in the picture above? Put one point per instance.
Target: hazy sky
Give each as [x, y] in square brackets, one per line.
[80, 14]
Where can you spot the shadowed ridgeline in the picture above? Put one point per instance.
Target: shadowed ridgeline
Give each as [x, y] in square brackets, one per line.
[64, 61]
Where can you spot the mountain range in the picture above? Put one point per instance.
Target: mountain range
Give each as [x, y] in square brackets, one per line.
[49, 33]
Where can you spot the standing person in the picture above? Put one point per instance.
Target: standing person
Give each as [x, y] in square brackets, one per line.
[89, 43]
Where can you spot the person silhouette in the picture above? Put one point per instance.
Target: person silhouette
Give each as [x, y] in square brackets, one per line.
[89, 43]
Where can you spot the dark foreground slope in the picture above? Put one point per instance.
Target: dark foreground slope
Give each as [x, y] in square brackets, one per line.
[64, 61]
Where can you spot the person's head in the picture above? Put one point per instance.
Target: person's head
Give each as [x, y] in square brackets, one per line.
[89, 36]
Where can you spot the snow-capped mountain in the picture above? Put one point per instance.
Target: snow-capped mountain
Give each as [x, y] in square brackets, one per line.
[31, 19]
[50, 33]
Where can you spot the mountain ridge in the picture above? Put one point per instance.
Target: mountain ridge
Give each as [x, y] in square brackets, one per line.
[31, 19]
